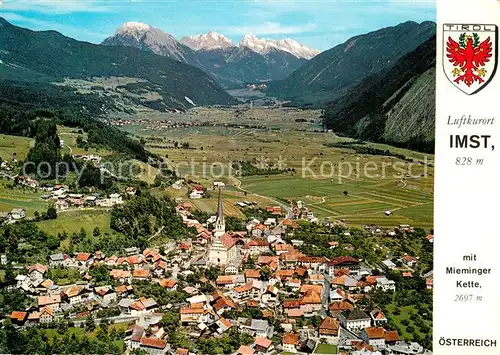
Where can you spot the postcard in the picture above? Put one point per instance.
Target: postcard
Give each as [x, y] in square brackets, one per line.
[249, 177]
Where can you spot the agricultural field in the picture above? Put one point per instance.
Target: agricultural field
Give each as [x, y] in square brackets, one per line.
[73, 221]
[230, 197]
[14, 147]
[20, 197]
[335, 183]
[364, 203]
[326, 349]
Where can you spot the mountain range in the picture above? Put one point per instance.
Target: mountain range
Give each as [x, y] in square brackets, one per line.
[51, 57]
[232, 66]
[332, 73]
[377, 86]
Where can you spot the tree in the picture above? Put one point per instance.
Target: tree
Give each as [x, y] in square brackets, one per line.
[89, 324]
[62, 327]
[170, 321]
[51, 213]
[96, 232]
[52, 242]
[265, 273]
[212, 273]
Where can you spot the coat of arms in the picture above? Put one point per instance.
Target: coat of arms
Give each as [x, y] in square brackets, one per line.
[470, 55]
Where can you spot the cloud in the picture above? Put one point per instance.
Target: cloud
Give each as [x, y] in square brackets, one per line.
[58, 6]
[269, 28]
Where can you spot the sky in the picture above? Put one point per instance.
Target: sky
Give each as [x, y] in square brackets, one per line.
[319, 24]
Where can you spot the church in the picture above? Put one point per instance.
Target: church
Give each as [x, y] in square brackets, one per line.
[222, 247]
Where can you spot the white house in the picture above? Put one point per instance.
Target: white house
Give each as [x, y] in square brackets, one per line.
[389, 264]
[257, 328]
[56, 259]
[194, 315]
[385, 284]
[195, 194]
[18, 213]
[105, 294]
[116, 199]
[290, 342]
[218, 185]
[329, 330]
[374, 336]
[36, 274]
[355, 319]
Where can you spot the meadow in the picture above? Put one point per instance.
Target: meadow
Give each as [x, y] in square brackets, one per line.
[69, 136]
[73, 221]
[20, 197]
[14, 147]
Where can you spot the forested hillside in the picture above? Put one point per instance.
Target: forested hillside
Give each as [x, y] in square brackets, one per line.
[395, 106]
[21, 103]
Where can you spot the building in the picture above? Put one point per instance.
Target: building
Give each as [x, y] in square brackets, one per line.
[218, 185]
[56, 259]
[374, 336]
[193, 315]
[62, 204]
[36, 274]
[256, 327]
[389, 264]
[409, 260]
[116, 199]
[329, 330]
[18, 213]
[76, 294]
[257, 246]
[18, 317]
[222, 247]
[54, 302]
[154, 346]
[105, 294]
[385, 284]
[378, 317]
[343, 262]
[378, 337]
[290, 342]
[263, 345]
[355, 319]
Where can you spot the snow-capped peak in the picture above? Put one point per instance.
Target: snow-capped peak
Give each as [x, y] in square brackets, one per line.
[264, 46]
[209, 41]
[132, 26]
[141, 35]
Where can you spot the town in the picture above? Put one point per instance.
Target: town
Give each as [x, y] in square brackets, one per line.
[251, 291]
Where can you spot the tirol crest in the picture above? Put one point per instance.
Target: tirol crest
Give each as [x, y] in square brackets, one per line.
[470, 55]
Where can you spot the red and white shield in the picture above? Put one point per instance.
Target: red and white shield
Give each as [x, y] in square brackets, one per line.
[470, 55]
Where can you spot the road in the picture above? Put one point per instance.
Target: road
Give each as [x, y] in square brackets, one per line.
[115, 320]
[325, 297]
[157, 233]
[6, 176]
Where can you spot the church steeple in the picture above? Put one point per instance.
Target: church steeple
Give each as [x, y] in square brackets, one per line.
[220, 224]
